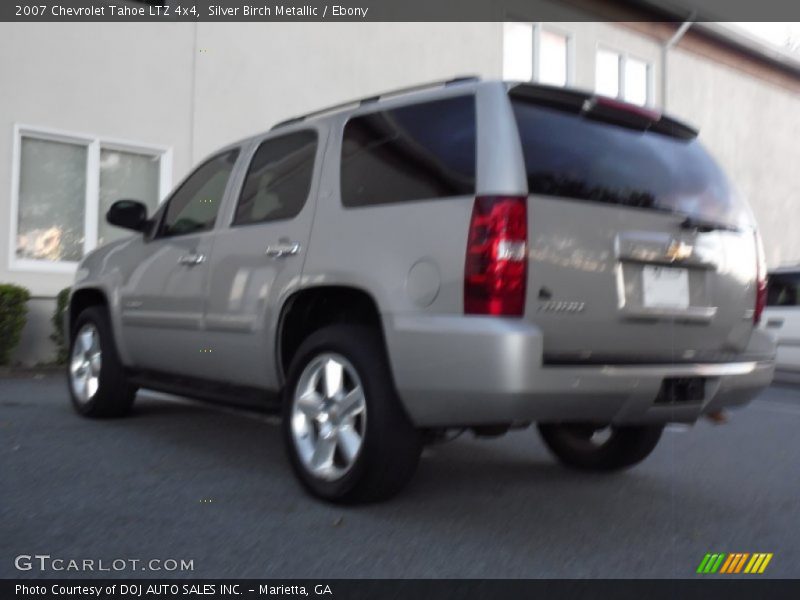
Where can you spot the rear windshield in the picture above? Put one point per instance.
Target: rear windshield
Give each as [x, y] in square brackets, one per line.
[574, 157]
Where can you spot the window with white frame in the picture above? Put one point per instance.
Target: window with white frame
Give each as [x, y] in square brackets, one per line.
[621, 76]
[536, 52]
[63, 186]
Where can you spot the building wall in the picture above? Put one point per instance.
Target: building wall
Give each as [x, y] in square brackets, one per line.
[194, 87]
[118, 81]
[250, 76]
[115, 81]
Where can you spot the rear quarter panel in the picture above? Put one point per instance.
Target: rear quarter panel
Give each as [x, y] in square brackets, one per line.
[410, 256]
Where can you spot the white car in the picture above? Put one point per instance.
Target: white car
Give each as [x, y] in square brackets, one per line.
[782, 315]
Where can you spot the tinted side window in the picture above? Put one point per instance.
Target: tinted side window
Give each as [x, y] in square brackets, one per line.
[782, 289]
[278, 180]
[574, 157]
[194, 206]
[422, 151]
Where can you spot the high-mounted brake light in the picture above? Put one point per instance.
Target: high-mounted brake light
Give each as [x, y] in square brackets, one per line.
[618, 105]
[761, 280]
[496, 268]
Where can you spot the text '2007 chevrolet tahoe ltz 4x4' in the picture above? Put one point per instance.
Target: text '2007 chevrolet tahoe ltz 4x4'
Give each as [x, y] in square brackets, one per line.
[473, 254]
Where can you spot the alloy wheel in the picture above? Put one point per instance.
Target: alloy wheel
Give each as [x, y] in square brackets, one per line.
[329, 416]
[85, 363]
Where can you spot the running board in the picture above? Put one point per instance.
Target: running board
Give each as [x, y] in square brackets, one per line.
[208, 391]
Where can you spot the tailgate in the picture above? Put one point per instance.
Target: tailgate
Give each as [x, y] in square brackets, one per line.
[640, 250]
[623, 285]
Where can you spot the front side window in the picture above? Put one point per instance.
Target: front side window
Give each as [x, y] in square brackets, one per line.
[65, 185]
[782, 289]
[278, 180]
[194, 206]
[416, 152]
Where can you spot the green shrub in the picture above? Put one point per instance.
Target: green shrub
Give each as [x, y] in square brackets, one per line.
[13, 311]
[58, 337]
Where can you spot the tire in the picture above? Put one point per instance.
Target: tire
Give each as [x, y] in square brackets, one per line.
[575, 445]
[96, 378]
[319, 413]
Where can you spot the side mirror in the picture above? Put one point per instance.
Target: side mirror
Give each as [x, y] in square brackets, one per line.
[128, 214]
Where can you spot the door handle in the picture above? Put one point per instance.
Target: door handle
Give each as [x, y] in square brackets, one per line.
[283, 249]
[192, 259]
[775, 323]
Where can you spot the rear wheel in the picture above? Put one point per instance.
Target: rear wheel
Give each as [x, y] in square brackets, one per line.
[593, 447]
[97, 382]
[346, 433]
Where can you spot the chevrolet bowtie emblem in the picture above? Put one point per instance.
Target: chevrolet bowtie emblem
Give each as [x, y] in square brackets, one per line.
[679, 251]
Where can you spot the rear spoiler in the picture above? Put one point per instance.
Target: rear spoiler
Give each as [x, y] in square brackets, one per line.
[600, 108]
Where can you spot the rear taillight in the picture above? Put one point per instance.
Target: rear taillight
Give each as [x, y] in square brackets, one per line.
[761, 280]
[497, 257]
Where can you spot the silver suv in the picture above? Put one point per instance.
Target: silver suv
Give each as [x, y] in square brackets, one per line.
[471, 254]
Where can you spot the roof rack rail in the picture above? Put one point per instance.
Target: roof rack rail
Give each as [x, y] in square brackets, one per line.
[376, 97]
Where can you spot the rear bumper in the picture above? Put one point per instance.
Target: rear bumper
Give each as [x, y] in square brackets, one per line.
[458, 371]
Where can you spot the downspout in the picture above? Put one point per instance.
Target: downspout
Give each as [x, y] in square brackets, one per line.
[669, 45]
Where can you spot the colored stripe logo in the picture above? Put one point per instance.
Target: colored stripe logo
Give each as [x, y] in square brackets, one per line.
[736, 562]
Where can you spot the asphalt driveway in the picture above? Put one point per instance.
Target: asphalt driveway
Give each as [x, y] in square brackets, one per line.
[187, 481]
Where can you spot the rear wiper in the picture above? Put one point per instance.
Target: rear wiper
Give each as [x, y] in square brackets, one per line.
[703, 226]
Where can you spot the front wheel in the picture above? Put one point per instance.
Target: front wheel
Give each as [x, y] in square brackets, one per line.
[600, 448]
[346, 433]
[97, 382]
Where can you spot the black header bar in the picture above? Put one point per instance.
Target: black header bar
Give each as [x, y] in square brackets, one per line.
[397, 10]
[733, 588]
